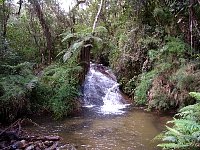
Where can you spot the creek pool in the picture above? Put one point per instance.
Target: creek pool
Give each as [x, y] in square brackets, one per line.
[132, 130]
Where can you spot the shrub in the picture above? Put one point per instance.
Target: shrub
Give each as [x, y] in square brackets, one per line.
[185, 134]
[62, 80]
[14, 97]
[142, 88]
[145, 82]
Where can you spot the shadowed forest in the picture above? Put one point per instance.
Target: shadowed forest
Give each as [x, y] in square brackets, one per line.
[153, 48]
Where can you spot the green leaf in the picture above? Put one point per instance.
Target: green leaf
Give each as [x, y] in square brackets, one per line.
[195, 95]
[174, 131]
[172, 145]
[67, 56]
[76, 46]
[69, 37]
[169, 138]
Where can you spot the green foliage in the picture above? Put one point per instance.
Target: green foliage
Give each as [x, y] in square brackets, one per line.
[195, 95]
[145, 82]
[171, 87]
[130, 86]
[186, 78]
[22, 40]
[173, 49]
[82, 39]
[174, 46]
[143, 87]
[185, 134]
[162, 16]
[149, 42]
[16, 87]
[21, 92]
[63, 88]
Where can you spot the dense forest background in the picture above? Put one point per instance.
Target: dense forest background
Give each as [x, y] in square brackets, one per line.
[152, 46]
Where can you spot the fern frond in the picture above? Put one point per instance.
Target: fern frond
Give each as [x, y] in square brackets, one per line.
[77, 45]
[195, 95]
[174, 131]
[172, 145]
[67, 55]
[70, 37]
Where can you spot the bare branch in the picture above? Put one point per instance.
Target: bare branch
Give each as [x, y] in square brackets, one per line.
[20, 6]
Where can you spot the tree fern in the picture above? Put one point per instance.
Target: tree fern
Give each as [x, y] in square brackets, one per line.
[81, 39]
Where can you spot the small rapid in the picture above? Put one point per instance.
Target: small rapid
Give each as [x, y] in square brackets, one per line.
[101, 91]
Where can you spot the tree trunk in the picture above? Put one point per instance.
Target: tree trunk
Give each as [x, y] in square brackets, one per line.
[84, 62]
[97, 16]
[4, 16]
[46, 29]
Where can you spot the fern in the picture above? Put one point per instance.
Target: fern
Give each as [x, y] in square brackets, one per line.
[63, 82]
[195, 95]
[80, 40]
[16, 86]
[141, 90]
[185, 134]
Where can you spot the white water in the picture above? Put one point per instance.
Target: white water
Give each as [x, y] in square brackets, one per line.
[102, 91]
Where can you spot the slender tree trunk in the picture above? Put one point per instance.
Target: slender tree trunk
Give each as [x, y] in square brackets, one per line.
[97, 16]
[191, 25]
[4, 16]
[46, 29]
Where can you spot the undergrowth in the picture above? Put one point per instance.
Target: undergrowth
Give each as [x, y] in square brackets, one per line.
[62, 82]
[14, 97]
[185, 133]
[145, 82]
[23, 93]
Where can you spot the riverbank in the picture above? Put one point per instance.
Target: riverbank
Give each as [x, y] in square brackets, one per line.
[16, 136]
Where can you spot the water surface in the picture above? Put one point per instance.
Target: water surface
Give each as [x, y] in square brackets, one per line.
[133, 130]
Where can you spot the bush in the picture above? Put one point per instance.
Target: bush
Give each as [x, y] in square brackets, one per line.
[142, 88]
[185, 134]
[170, 89]
[14, 97]
[62, 81]
[145, 82]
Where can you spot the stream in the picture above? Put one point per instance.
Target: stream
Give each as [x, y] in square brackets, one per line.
[107, 121]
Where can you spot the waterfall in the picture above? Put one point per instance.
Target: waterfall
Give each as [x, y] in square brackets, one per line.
[101, 90]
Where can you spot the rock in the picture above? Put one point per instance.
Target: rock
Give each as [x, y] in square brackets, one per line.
[67, 147]
[53, 147]
[41, 145]
[19, 144]
[48, 143]
[52, 138]
[31, 147]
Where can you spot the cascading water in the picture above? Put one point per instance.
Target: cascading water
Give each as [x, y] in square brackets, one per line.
[96, 128]
[101, 90]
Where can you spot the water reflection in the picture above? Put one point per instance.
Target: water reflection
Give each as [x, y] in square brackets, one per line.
[133, 130]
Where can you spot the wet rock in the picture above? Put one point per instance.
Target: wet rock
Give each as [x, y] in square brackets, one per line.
[19, 144]
[41, 145]
[48, 143]
[31, 147]
[68, 147]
